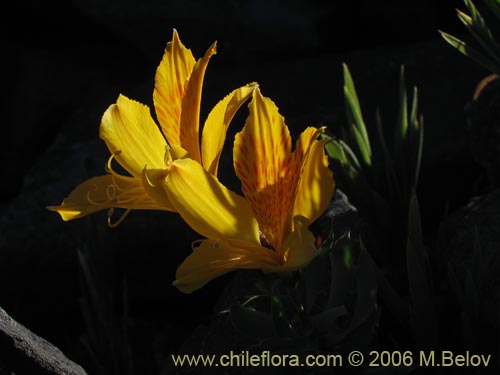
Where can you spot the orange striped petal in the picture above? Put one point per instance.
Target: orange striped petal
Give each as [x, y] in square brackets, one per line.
[213, 258]
[261, 154]
[207, 206]
[104, 192]
[190, 114]
[215, 128]
[316, 185]
[132, 136]
[170, 85]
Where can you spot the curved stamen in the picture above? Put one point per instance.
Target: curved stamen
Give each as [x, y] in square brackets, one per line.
[111, 211]
[91, 200]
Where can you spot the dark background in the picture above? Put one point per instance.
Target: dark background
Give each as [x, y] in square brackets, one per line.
[67, 61]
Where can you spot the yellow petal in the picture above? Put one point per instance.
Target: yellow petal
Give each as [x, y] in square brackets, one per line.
[300, 246]
[153, 182]
[316, 184]
[261, 154]
[214, 258]
[170, 85]
[104, 192]
[190, 114]
[132, 136]
[215, 128]
[208, 206]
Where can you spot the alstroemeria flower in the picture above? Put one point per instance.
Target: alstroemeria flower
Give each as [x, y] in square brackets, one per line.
[145, 150]
[284, 192]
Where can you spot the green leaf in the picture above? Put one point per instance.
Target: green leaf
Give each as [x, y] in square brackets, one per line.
[420, 147]
[414, 109]
[355, 117]
[402, 124]
[334, 149]
[363, 147]
[470, 52]
[479, 30]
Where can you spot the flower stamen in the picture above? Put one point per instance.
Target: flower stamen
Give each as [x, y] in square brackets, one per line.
[111, 211]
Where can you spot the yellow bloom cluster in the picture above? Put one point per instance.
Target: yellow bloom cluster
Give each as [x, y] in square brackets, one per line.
[283, 190]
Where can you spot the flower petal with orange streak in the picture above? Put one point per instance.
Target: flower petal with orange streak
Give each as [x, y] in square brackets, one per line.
[261, 154]
[216, 125]
[132, 136]
[190, 114]
[171, 80]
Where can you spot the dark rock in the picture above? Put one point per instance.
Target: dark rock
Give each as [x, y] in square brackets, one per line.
[23, 352]
[341, 216]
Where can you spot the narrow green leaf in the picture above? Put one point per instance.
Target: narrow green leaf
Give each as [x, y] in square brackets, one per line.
[480, 31]
[478, 23]
[364, 148]
[335, 150]
[402, 122]
[414, 109]
[353, 112]
[472, 53]
[420, 147]
[353, 160]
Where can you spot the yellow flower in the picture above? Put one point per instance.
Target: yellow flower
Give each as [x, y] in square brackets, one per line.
[267, 229]
[138, 145]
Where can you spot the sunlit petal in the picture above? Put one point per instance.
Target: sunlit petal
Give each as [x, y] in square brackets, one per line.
[316, 185]
[104, 192]
[190, 115]
[207, 206]
[153, 182]
[213, 258]
[170, 85]
[132, 136]
[300, 246]
[215, 128]
[261, 154]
